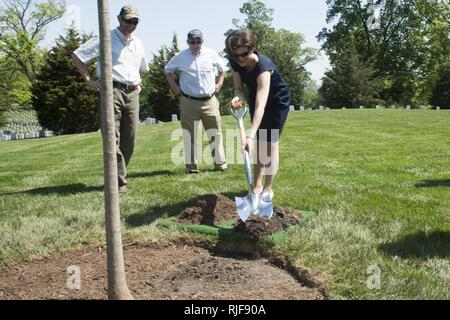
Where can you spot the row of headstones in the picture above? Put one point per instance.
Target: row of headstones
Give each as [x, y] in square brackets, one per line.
[8, 136]
[302, 108]
[153, 121]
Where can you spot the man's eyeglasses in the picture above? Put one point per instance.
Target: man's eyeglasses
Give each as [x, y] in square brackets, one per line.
[131, 21]
[193, 42]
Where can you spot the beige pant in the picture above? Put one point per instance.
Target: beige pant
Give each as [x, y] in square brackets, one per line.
[126, 113]
[192, 112]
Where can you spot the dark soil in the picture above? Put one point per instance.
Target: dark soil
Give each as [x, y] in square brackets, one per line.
[155, 272]
[257, 226]
[213, 209]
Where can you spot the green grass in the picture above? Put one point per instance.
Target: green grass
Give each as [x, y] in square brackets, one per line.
[379, 181]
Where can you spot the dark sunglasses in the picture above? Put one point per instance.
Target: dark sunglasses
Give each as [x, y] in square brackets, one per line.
[192, 42]
[242, 55]
[131, 21]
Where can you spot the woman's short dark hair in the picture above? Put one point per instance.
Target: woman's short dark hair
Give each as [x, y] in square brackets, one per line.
[239, 39]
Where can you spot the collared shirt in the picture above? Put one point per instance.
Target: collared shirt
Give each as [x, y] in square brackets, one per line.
[197, 71]
[128, 57]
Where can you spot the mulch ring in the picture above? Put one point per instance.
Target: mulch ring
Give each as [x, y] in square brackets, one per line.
[161, 271]
[187, 269]
[213, 209]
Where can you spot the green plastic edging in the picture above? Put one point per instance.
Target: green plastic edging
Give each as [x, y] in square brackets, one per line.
[225, 230]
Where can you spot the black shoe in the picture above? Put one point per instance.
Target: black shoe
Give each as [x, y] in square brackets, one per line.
[193, 171]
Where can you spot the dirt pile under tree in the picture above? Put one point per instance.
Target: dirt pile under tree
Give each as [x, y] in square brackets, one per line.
[213, 209]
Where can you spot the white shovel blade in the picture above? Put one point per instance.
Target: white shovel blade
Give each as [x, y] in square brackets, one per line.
[244, 207]
[262, 204]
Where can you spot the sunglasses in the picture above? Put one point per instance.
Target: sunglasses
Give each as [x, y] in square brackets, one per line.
[195, 42]
[242, 55]
[131, 21]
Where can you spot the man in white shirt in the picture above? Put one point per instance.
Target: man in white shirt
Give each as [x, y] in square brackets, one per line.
[197, 88]
[129, 67]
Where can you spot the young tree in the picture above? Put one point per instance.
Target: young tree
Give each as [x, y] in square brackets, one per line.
[62, 99]
[117, 283]
[351, 83]
[157, 99]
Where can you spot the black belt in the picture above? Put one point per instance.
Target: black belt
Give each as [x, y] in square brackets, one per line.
[198, 98]
[124, 86]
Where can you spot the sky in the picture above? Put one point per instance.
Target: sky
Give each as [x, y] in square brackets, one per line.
[161, 19]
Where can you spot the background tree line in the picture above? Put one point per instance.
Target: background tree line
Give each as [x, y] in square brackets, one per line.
[399, 51]
[381, 52]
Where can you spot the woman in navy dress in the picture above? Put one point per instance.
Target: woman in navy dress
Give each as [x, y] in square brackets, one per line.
[269, 98]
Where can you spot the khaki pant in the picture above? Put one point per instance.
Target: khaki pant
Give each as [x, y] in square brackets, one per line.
[126, 114]
[192, 112]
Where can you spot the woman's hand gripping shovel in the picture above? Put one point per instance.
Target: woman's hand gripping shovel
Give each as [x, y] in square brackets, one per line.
[252, 203]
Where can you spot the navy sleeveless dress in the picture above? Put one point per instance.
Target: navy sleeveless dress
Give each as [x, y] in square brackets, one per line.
[278, 102]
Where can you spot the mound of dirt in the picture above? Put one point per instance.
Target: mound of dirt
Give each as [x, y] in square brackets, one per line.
[154, 272]
[257, 226]
[211, 209]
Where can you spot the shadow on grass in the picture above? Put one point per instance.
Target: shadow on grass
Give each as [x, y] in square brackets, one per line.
[420, 245]
[69, 189]
[433, 183]
[152, 214]
[151, 174]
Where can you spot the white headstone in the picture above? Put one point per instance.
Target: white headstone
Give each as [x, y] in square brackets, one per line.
[438, 108]
[302, 108]
[174, 118]
[321, 108]
[344, 108]
[361, 107]
[291, 108]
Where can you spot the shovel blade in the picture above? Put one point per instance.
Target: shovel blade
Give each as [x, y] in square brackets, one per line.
[244, 207]
[262, 204]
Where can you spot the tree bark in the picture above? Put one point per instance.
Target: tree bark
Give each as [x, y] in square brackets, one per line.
[117, 284]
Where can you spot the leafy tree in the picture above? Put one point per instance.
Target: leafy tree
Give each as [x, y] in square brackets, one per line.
[62, 99]
[351, 82]
[286, 49]
[311, 95]
[22, 27]
[441, 91]
[158, 100]
[407, 44]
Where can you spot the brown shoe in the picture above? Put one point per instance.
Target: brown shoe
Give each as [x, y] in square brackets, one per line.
[123, 189]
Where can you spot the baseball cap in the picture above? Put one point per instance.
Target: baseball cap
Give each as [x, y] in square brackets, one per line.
[195, 34]
[129, 12]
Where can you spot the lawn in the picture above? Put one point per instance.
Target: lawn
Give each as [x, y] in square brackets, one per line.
[379, 181]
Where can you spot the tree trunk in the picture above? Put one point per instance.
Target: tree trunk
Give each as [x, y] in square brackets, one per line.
[117, 284]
